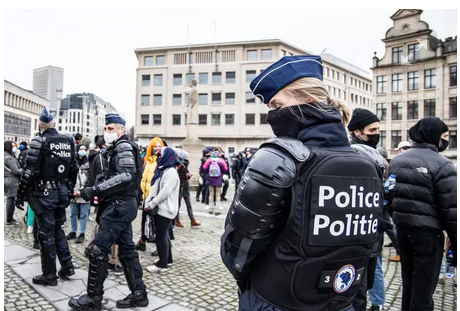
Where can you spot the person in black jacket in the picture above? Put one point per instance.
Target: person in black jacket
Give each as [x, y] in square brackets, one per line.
[424, 204]
[23, 147]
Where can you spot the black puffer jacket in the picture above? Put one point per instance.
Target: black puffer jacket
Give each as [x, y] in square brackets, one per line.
[426, 190]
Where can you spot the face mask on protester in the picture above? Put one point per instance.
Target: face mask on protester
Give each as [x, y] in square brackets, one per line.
[372, 140]
[14, 150]
[445, 144]
[82, 153]
[110, 137]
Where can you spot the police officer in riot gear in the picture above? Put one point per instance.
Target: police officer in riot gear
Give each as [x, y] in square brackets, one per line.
[118, 200]
[49, 174]
[301, 227]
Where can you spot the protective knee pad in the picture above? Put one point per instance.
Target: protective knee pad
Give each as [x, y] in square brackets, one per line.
[98, 271]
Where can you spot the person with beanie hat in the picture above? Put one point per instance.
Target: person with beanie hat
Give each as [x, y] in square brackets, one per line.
[364, 127]
[424, 205]
[202, 179]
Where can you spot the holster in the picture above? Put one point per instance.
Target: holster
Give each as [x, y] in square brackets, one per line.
[34, 204]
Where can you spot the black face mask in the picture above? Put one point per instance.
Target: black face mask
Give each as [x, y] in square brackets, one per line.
[372, 140]
[289, 121]
[445, 144]
[185, 162]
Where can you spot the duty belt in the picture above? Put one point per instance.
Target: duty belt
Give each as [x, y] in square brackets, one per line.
[48, 186]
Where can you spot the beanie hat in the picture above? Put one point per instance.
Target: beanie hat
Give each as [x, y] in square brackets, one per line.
[361, 118]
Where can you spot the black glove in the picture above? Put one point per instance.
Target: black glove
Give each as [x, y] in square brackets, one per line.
[19, 202]
[87, 193]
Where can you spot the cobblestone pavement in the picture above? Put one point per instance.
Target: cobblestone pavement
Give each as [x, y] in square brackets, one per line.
[198, 279]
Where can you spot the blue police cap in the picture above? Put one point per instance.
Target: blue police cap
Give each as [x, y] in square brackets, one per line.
[283, 72]
[46, 116]
[114, 118]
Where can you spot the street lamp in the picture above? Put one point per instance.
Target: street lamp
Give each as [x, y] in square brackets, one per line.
[58, 97]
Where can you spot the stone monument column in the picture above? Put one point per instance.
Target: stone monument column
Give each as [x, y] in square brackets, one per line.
[192, 144]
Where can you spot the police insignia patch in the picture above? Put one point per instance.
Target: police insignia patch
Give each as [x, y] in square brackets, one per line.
[344, 278]
[61, 169]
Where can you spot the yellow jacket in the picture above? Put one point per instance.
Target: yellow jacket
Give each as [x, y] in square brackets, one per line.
[147, 176]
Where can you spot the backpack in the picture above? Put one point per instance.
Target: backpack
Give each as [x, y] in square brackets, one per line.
[214, 169]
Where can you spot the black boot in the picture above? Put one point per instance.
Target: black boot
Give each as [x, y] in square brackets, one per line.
[98, 264]
[133, 274]
[85, 303]
[138, 299]
[67, 270]
[45, 280]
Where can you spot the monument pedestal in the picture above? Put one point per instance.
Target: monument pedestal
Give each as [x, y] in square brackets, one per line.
[194, 146]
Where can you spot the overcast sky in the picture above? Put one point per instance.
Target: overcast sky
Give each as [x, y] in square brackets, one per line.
[96, 47]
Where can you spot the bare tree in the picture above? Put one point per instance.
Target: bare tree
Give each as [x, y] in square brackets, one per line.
[131, 133]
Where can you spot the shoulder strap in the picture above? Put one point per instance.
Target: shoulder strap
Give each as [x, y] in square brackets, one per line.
[291, 145]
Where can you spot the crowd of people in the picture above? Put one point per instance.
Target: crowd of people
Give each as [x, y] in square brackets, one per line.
[306, 224]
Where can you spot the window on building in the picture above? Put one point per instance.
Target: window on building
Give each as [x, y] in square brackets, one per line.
[413, 52]
[453, 75]
[161, 60]
[412, 81]
[453, 107]
[203, 99]
[203, 77]
[338, 76]
[381, 84]
[344, 79]
[216, 98]
[217, 77]
[177, 99]
[344, 95]
[250, 119]
[327, 72]
[230, 98]
[397, 53]
[190, 58]
[412, 109]
[230, 77]
[148, 61]
[60, 128]
[395, 138]
[453, 140]
[266, 54]
[382, 111]
[251, 55]
[397, 82]
[430, 78]
[250, 98]
[250, 75]
[202, 119]
[176, 119]
[177, 79]
[263, 118]
[145, 101]
[189, 77]
[215, 118]
[145, 119]
[231, 150]
[430, 108]
[229, 119]
[383, 140]
[157, 119]
[158, 79]
[145, 80]
[186, 98]
[396, 111]
[157, 99]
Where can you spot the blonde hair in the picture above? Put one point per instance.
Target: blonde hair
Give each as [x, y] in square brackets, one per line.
[44, 126]
[313, 88]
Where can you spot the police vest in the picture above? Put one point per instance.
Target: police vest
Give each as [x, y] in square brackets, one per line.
[110, 169]
[57, 154]
[320, 258]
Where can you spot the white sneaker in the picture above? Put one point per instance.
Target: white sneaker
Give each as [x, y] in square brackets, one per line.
[156, 269]
[206, 207]
[90, 218]
[30, 229]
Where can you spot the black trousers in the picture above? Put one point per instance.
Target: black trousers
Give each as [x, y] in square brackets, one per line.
[163, 241]
[9, 209]
[421, 255]
[52, 238]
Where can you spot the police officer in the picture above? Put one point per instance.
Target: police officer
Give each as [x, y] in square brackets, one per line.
[49, 174]
[300, 230]
[118, 201]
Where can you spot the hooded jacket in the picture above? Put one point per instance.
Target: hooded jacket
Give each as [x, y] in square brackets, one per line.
[426, 183]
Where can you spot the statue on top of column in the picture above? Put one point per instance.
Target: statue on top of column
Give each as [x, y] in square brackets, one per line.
[192, 109]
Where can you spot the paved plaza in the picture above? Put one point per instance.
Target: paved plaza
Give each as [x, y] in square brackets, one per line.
[197, 281]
